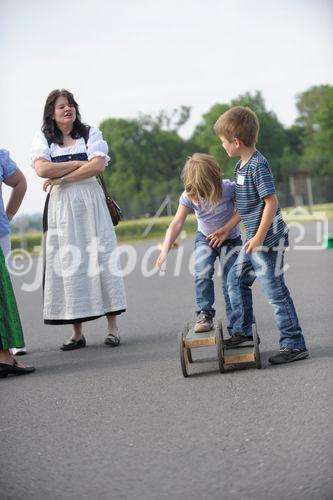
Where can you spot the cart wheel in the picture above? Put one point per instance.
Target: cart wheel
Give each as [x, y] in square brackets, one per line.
[256, 344]
[183, 352]
[219, 346]
[187, 349]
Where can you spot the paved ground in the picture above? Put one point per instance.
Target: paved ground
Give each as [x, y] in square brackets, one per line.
[123, 423]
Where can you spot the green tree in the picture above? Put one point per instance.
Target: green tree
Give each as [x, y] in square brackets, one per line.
[272, 136]
[293, 150]
[147, 155]
[206, 141]
[315, 108]
[148, 152]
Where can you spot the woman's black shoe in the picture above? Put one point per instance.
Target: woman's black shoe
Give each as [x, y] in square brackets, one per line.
[13, 369]
[74, 344]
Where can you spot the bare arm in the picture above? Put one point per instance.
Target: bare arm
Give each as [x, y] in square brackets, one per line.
[268, 214]
[90, 168]
[171, 234]
[19, 184]
[49, 170]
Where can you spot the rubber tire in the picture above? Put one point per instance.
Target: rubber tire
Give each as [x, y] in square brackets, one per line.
[188, 350]
[219, 346]
[182, 353]
[256, 344]
[189, 355]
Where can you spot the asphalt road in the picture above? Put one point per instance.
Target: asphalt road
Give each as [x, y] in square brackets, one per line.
[103, 423]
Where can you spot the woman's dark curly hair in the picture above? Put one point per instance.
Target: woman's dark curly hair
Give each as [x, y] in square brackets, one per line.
[50, 129]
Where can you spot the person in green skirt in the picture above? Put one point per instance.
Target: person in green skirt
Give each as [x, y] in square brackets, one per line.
[12, 176]
[11, 336]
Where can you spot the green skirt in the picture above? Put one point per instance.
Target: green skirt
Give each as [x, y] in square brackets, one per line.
[11, 334]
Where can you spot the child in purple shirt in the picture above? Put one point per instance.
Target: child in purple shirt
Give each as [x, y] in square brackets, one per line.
[212, 201]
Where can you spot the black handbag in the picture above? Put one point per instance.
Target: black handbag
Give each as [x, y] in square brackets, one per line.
[114, 209]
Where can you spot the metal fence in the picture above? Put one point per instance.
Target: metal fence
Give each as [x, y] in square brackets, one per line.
[322, 192]
[321, 187]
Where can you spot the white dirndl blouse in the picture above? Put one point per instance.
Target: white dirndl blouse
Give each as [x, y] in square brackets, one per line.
[82, 279]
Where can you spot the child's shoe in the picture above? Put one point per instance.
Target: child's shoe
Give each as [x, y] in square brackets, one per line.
[287, 355]
[204, 322]
[237, 339]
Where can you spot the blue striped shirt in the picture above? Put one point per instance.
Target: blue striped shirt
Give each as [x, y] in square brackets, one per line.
[254, 181]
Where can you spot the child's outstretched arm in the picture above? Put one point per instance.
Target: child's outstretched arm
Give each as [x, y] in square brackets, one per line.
[174, 229]
[220, 235]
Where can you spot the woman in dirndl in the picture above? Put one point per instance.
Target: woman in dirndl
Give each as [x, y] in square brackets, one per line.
[82, 279]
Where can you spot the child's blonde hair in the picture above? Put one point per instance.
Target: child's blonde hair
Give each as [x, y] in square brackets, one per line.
[202, 179]
[238, 122]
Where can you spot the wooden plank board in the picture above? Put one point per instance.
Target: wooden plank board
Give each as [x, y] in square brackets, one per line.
[239, 355]
[202, 339]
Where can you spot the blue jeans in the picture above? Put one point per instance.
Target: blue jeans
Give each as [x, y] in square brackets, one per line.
[267, 266]
[205, 257]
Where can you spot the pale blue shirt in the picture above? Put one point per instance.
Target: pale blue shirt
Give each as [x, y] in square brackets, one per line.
[7, 168]
[211, 218]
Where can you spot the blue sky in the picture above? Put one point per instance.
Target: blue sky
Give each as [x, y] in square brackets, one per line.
[120, 58]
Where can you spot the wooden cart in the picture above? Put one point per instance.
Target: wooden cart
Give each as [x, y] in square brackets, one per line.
[189, 340]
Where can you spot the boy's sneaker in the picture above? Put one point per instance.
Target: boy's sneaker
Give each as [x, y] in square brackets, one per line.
[239, 340]
[204, 322]
[286, 355]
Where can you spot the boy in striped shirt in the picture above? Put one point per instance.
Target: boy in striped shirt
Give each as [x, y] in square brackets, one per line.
[266, 236]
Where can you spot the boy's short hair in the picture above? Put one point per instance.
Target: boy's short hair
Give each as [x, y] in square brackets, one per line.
[238, 122]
